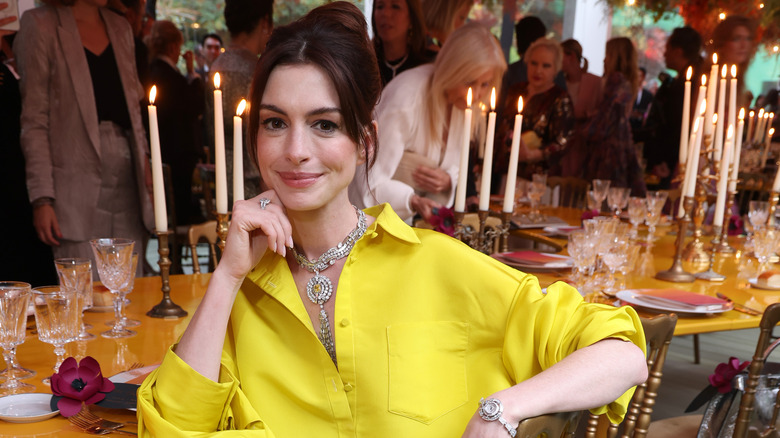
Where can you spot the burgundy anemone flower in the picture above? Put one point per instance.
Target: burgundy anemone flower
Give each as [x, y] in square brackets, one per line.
[79, 383]
[725, 372]
[443, 220]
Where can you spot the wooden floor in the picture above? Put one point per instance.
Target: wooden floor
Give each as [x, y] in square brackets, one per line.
[683, 380]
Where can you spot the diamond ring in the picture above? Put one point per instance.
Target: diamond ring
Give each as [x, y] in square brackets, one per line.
[264, 202]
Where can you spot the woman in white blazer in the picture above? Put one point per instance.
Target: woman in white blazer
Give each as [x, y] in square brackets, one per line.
[85, 149]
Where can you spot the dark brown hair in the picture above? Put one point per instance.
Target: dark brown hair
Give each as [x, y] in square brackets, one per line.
[332, 37]
[416, 33]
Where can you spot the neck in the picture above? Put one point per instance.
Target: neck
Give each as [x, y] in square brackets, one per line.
[315, 232]
[575, 75]
[394, 49]
[537, 89]
[248, 41]
[85, 13]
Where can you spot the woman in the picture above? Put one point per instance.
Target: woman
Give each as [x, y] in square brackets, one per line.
[399, 42]
[584, 88]
[734, 40]
[179, 110]
[82, 135]
[250, 23]
[381, 358]
[609, 149]
[417, 166]
[548, 116]
[442, 17]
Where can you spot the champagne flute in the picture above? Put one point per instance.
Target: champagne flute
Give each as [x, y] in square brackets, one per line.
[57, 318]
[637, 210]
[114, 259]
[616, 198]
[600, 188]
[76, 274]
[14, 300]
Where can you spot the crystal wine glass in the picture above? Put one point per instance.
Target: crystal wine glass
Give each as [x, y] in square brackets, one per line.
[600, 188]
[765, 242]
[615, 258]
[114, 259]
[655, 207]
[758, 214]
[127, 322]
[76, 274]
[57, 318]
[535, 192]
[616, 198]
[637, 210]
[14, 300]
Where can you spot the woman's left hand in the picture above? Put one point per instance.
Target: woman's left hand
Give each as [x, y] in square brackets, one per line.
[528, 155]
[432, 179]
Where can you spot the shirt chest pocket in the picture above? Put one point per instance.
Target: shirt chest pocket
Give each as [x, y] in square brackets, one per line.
[427, 369]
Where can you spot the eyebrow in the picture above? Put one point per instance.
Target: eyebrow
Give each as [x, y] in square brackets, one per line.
[314, 112]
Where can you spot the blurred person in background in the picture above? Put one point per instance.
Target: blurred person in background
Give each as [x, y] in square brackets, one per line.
[134, 13]
[584, 88]
[180, 102]
[250, 23]
[399, 37]
[83, 139]
[734, 40]
[442, 17]
[211, 48]
[417, 167]
[641, 104]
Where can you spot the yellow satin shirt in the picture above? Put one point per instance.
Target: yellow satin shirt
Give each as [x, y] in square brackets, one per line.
[424, 327]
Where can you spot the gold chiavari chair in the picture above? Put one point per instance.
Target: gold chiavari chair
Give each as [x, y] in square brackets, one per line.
[560, 425]
[572, 191]
[742, 427]
[658, 333]
[751, 187]
[208, 231]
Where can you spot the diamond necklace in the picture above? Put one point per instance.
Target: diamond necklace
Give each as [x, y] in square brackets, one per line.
[394, 67]
[319, 288]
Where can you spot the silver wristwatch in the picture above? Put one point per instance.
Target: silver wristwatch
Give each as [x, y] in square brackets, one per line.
[491, 410]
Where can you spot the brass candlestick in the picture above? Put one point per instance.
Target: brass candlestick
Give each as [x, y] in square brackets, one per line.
[694, 252]
[222, 230]
[506, 219]
[166, 308]
[676, 273]
[723, 247]
[710, 274]
[481, 237]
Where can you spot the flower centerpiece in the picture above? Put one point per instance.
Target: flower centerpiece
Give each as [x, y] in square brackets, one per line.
[77, 384]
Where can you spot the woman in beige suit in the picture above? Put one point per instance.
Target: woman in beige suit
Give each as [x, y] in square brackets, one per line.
[82, 135]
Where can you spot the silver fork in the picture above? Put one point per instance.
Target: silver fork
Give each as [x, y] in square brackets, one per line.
[135, 365]
[91, 418]
[94, 428]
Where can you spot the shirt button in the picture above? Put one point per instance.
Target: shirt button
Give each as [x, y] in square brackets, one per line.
[348, 387]
[344, 322]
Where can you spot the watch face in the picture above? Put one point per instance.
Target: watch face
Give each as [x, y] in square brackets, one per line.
[490, 409]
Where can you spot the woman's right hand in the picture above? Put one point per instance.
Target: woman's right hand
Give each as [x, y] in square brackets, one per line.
[424, 206]
[252, 230]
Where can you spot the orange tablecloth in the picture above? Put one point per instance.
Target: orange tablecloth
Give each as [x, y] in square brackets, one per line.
[114, 355]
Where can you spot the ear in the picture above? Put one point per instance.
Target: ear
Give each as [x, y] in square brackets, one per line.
[368, 150]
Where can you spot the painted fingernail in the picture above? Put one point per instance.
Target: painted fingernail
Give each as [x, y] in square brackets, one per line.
[289, 242]
[273, 246]
[284, 251]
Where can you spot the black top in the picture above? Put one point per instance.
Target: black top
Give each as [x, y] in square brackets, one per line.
[107, 85]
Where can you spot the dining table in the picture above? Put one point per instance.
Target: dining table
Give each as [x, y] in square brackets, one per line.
[145, 349]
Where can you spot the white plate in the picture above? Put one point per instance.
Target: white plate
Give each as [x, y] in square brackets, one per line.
[566, 263]
[754, 282]
[631, 296]
[560, 230]
[26, 408]
[128, 375]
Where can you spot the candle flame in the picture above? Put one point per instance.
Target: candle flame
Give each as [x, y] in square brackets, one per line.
[733, 71]
[730, 132]
[696, 125]
[241, 107]
[771, 131]
[703, 80]
[752, 113]
[689, 73]
[703, 107]
[468, 98]
[715, 118]
[761, 113]
[723, 71]
[766, 115]
[722, 15]
[152, 94]
[493, 99]
[216, 80]
[714, 58]
[520, 105]
[771, 115]
[742, 114]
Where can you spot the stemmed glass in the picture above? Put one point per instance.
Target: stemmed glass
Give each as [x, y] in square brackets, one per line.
[582, 249]
[76, 274]
[114, 259]
[615, 258]
[127, 322]
[655, 206]
[637, 210]
[617, 197]
[14, 300]
[765, 242]
[57, 318]
[535, 192]
[600, 188]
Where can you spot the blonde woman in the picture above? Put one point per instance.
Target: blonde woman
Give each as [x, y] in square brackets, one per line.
[442, 17]
[417, 166]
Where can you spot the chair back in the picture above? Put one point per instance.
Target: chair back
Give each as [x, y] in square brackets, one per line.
[658, 333]
[207, 179]
[208, 231]
[572, 191]
[751, 187]
[741, 428]
[558, 425]
[170, 203]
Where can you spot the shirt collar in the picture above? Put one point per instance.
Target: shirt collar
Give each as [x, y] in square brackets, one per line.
[389, 221]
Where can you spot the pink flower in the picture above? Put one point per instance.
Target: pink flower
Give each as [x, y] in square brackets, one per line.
[77, 383]
[589, 214]
[443, 221]
[725, 372]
